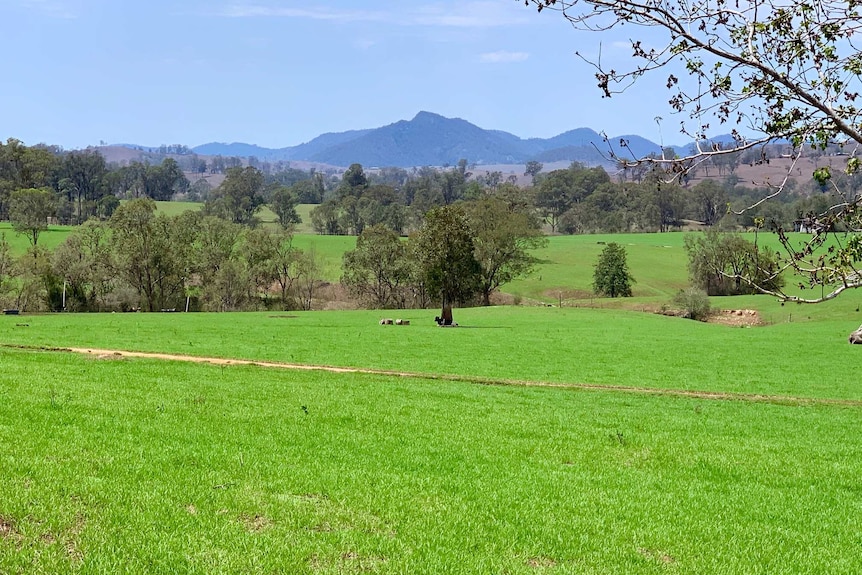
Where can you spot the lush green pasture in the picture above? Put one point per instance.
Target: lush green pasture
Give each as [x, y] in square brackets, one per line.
[657, 262]
[328, 251]
[50, 238]
[172, 209]
[304, 211]
[806, 357]
[142, 466]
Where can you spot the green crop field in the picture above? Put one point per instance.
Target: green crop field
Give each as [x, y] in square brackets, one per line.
[155, 466]
[531, 439]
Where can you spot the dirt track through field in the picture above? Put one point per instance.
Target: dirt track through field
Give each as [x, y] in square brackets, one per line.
[712, 395]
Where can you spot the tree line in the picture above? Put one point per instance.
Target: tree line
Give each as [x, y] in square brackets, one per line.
[141, 259]
[485, 226]
[578, 199]
[80, 184]
[575, 200]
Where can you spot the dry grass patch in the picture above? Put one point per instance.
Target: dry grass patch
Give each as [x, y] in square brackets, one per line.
[255, 523]
[8, 531]
[349, 562]
[541, 562]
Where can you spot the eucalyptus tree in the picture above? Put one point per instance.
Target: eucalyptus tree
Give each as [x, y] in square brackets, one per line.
[141, 242]
[29, 210]
[444, 249]
[239, 197]
[378, 271]
[502, 241]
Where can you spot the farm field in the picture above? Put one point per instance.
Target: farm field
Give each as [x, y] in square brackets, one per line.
[153, 466]
[265, 215]
[569, 345]
[50, 238]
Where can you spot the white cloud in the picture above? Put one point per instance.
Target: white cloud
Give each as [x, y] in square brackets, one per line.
[476, 14]
[503, 57]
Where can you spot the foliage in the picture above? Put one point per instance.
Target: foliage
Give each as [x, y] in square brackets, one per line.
[358, 204]
[7, 270]
[694, 302]
[29, 210]
[141, 241]
[558, 191]
[445, 252]
[239, 197]
[81, 182]
[532, 168]
[160, 182]
[611, 277]
[785, 68]
[86, 263]
[709, 201]
[308, 279]
[23, 167]
[724, 263]
[501, 240]
[283, 203]
[309, 191]
[378, 271]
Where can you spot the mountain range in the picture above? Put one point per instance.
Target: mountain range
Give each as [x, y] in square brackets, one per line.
[433, 140]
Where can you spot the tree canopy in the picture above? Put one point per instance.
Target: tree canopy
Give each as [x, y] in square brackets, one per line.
[444, 248]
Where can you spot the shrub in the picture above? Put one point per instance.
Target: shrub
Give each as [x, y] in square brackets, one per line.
[694, 302]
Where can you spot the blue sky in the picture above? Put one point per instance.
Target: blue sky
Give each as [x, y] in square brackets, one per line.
[280, 72]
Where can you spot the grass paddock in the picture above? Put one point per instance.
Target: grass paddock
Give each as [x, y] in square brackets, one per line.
[146, 466]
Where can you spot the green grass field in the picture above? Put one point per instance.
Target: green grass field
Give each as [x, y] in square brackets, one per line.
[50, 238]
[603, 347]
[573, 440]
[150, 466]
[265, 215]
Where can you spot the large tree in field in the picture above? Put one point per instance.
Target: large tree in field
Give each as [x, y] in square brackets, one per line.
[774, 70]
[611, 277]
[444, 250]
[502, 239]
[142, 245]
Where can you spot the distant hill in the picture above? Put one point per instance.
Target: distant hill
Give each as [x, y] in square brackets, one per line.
[321, 143]
[433, 140]
[235, 149]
